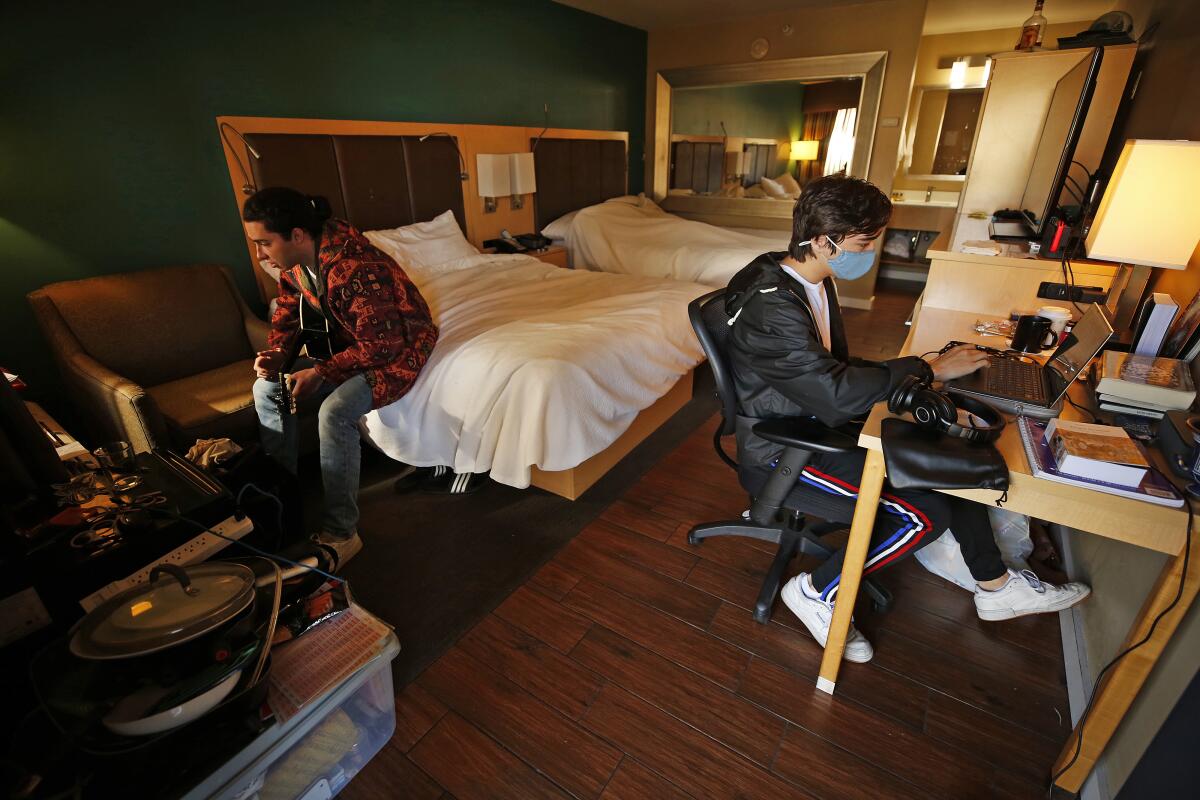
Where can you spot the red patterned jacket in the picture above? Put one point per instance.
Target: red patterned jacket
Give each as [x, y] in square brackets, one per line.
[380, 325]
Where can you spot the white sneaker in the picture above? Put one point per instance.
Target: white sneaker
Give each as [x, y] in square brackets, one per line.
[816, 614]
[343, 549]
[1026, 594]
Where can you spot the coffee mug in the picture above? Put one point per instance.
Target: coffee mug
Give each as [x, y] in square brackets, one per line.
[1058, 316]
[1033, 334]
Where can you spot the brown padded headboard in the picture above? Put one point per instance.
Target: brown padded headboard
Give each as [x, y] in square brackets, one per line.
[372, 181]
[576, 173]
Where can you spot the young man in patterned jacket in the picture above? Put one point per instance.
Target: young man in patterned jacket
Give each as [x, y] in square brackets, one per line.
[380, 335]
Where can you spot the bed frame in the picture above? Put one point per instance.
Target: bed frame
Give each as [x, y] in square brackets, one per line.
[380, 175]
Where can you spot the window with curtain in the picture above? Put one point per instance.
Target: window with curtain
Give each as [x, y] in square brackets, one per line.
[841, 142]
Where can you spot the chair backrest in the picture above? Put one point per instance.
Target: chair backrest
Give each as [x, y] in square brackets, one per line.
[711, 324]
[155, 325]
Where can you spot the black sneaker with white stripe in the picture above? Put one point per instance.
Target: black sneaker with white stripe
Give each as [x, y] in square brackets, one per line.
[440, 480]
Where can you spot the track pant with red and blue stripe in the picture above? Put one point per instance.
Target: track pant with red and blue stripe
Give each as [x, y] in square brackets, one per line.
[908, 519]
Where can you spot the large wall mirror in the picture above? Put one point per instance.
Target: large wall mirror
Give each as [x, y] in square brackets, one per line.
[942, 132]
[741, 141]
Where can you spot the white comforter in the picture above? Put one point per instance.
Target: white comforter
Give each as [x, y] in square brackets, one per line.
[535, 365]
[620, 237]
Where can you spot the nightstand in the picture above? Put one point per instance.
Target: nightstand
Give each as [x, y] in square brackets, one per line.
[555, 254]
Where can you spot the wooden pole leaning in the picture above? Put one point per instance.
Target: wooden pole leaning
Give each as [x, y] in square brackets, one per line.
[870, 486]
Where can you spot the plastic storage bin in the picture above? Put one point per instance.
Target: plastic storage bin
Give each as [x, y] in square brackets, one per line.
[317, 752]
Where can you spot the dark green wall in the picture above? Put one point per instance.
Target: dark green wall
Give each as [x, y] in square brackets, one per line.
[109, 156]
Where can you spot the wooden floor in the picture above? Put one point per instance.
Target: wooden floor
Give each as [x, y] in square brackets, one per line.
[629, 667]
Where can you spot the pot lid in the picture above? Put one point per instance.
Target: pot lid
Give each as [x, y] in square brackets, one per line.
[176, 605]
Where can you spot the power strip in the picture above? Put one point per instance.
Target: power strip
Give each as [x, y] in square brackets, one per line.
[193, 552]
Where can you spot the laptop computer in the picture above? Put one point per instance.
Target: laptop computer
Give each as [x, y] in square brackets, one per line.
[1022, 387]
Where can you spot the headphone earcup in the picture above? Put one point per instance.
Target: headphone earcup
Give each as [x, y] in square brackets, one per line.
[901, 398]
[932, 410]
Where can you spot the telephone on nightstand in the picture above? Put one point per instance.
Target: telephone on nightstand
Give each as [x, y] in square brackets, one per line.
[507, 243]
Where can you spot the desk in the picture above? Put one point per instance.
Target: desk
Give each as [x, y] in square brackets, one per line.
[1143, 524]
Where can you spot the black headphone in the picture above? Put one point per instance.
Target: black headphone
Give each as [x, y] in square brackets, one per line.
[938, 411]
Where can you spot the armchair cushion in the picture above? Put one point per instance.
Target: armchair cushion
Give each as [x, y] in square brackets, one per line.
[217, 402]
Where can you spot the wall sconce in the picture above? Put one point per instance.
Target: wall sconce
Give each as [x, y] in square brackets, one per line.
[505, 174]
[494, 179]
[523, 177]
[805, 150]
[958, 73]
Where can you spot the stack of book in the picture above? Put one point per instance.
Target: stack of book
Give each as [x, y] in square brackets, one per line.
[1098, 457]
[1144, 386]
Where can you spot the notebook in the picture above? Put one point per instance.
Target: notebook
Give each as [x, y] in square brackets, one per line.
[1154, 488]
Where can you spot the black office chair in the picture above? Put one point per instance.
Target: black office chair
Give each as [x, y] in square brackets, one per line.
[770, 520]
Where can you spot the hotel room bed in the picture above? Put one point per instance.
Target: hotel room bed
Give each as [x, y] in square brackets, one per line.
[541, 375]
[634, 236]
[536, 366]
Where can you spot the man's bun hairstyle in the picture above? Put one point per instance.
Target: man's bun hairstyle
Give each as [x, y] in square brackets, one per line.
[837, 206]
[281, 210]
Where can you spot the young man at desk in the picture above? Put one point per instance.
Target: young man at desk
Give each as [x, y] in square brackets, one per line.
[375, 327]
[789, 356]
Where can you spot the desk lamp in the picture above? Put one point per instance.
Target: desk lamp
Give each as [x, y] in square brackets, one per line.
[1149, 217]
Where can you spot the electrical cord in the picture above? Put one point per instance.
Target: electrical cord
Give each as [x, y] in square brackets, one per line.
[278, 510]
[1078, 407]
[1082, 191]
[1083, 718]
[250, 547]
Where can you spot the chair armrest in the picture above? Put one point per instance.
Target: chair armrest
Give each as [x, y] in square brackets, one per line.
[256, 331]
[806, 434]
[119, 404]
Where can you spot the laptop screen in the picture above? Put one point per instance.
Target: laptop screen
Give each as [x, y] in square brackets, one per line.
[1082, 344]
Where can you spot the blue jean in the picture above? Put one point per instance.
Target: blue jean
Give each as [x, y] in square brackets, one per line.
[341, 408]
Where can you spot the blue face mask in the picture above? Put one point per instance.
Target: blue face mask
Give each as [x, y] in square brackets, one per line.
[846, 265]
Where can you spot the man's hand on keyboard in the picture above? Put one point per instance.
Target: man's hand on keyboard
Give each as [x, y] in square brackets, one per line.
[957, 361]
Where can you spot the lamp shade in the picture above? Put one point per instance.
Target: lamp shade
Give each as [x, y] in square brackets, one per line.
[521, 173]
[494, 172]
[1150, 214]
[805, 150]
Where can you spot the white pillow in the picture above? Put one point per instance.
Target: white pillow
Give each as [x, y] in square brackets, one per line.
[773, 189]
[789, 184]
[561, 227]
[425, 244]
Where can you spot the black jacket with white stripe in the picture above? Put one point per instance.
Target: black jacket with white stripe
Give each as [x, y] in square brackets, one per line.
[782, 369]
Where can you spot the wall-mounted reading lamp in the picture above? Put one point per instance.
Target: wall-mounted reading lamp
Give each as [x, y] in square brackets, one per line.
[505, 174]
[462, 164]
[524, 180]
[248, 186]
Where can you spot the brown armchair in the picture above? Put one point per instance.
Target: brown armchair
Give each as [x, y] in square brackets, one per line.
[160, 357]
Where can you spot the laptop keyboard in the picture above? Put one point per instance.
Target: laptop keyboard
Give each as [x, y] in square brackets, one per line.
[1018, 380]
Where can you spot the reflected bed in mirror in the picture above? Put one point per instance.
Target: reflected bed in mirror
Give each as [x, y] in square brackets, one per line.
[942, 132]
